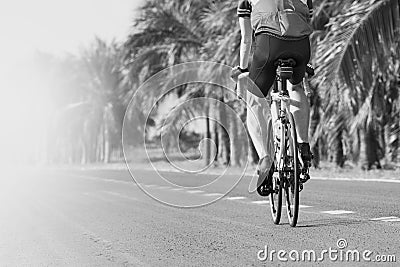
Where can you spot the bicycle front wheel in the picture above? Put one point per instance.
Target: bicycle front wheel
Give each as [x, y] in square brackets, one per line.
[292, 182]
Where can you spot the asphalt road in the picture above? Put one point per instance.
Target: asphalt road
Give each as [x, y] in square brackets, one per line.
[102, 218]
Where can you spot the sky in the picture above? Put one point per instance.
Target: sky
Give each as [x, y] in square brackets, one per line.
[51, 26]
[58, 26]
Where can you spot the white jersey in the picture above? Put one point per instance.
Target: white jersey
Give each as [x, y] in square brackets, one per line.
[269, 16]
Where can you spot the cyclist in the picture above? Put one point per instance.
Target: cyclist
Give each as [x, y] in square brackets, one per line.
[281, 29]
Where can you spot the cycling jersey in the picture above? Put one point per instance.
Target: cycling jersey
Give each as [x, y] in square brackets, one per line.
[289, 19]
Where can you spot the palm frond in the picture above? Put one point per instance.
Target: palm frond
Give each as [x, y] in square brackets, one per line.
[365, 30]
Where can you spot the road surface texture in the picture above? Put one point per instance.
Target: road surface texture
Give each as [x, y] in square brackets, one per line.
[102, 218]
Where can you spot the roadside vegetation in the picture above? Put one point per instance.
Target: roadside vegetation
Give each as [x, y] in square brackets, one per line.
[355, 105]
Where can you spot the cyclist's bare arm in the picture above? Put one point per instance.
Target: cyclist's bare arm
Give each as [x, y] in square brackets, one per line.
[310, 7]
[244, 13]
[245, 44]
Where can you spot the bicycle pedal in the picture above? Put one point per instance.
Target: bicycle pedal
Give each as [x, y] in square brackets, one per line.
[301, 187]
[305, 178]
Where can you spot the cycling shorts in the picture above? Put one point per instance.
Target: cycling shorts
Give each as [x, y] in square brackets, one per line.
[268, 49]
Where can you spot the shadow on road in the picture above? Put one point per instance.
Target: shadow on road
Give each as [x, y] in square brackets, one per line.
[330, 222]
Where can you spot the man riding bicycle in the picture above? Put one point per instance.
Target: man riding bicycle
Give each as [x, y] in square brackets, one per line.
[281, 29]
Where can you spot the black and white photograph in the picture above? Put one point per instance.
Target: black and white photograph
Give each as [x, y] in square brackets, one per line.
[200, 133]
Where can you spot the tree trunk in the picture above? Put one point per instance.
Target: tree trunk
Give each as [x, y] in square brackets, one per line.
[223, 134]
[338, 155]
[213, 134]
[100, 146]
[362, 158]
[315, 120]
[206, 144]
[373, 148]
[107, 150]
[394, 141]
[386, 143]
[315, 150]
[235, 144]
[214, 137]
[369, 149]
[84, 152]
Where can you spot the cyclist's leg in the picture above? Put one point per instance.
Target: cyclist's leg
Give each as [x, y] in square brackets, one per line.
[258, 111]
[259, 124]
[300, 107]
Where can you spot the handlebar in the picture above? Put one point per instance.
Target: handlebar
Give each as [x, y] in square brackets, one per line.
[310, 70]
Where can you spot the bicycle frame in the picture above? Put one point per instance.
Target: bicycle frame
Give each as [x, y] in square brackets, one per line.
[282, 101]
[286, 151]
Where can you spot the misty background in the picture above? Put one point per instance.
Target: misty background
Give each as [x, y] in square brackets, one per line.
[69, 69]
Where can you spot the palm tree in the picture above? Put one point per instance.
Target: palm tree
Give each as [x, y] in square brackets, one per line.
[347, 48]
[220, 21]
[87, 126]
[353, 60]
[167, 33]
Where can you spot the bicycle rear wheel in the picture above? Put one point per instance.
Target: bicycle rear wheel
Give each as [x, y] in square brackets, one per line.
[292, 182]
[275, 198]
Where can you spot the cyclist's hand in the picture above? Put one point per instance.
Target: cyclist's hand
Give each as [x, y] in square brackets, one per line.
[236, 71]
[310, 70]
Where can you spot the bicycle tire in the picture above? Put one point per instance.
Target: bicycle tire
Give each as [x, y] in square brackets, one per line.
[292, 183]
[275, 198]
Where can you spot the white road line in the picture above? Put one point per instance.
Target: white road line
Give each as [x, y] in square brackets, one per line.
[356, 180]
[236, 198]
[300, 206]
[163, 187]
[337, 212]
[392, 220]
[260, 202]
[214, 195]
[149, 185]
[177, 189]
[194, 191]
[312, 177]
[384, 218]
[120, 195]
[215, 173]
[103, 179]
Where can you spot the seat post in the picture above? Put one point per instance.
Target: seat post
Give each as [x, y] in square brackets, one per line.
[284, 87]
[285, 72]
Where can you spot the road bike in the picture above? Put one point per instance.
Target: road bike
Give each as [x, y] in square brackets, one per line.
[286, 179]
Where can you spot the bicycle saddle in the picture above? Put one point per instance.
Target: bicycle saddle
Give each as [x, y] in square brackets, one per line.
[289, 62]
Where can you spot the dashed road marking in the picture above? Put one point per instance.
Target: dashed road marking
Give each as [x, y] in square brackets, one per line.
[260, 202]
[163, 187]
[120, 195]
[236, 198]
[384, 218]
[178, 189]
[337, 212]
[304, 206]
[393, 220]
[104, 179]
[300, 206]
[387, 219]
[214, 195]
[194, 191]
[356, 180]
[149, 185]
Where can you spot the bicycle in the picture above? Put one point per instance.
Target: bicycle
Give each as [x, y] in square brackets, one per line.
[287, 159]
